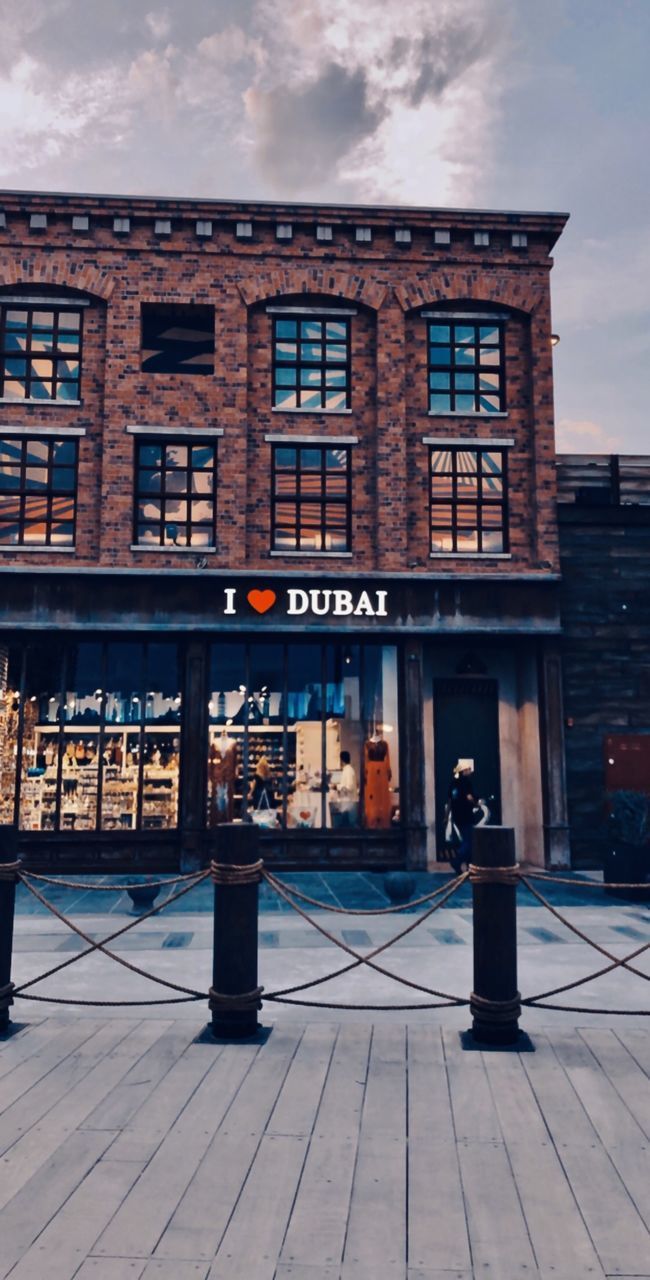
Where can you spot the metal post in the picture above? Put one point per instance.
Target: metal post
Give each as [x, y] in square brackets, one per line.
[495, 1003]
[8, 856]
[235, 995]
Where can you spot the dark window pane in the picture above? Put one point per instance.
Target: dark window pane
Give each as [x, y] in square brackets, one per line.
[177, 338]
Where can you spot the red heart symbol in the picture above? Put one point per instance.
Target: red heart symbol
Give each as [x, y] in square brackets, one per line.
[261, 601]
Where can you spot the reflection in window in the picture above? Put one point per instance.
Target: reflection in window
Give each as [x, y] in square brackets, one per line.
[100, 728]
[466, 373]
[311, 508]
[38, 492]
[175, 493]
[40, 353]
[177, 338]
[311, 363]
[303, 736]
[468, 501]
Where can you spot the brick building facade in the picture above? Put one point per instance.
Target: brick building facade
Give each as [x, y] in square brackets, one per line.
[214, 417]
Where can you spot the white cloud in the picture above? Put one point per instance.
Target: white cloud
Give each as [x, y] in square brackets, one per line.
[575, 435]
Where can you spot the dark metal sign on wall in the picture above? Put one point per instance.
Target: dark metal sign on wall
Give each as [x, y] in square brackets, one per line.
[217, 601]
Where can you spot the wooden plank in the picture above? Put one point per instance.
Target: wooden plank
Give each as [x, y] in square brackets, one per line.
[26, 1043]
[31, 1106]
[376, 1237]
[622, 1137]
[196, 1227]
[295, 1110]
[437, 1227]
[121, 1104]
[35, 1146]
[475, 1117]
[27, 1074]
[155, 1116]
[111, 1269]
[316, 1232]
[560, 1240]
[637, 1042]
[619, 1237]
[138, 1227]
[174, 1271]
[296, 1271]
[252, 1241]
[63, 1246]
[28, 1212]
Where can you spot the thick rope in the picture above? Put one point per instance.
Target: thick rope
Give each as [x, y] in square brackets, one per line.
[585, 884]
[356, 1008]
[352, 911]
[232, 873]
[100, 946]
[7, 995]
[495, 1011]
[493, 875]
[243, 1002]
[116, 888]
[113, 1004]
[10, 870]
[616, 962]
[369, 958]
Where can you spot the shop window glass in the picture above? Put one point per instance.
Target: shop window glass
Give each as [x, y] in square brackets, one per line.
[175, 494]
[466, 367]
[41, 738]
[80, 743]
[227, 717]
[177, 338]
[468, 501]
[161, 749]
[10, 696]
[38, 492]
[40, 353]
[320, 719]
[311, 363]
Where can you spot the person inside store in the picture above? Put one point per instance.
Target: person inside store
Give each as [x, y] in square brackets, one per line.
[460, 814]
[344, 804]
[262, 793]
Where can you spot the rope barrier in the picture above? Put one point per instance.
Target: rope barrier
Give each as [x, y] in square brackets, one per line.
[10, 870]
[609, 955]
[495, 1011]
[353, 911]
[113, 888]
[586, 884]
[493, 875]
[242, 1002]
[101, 946]
[232, 873]
[369, 958]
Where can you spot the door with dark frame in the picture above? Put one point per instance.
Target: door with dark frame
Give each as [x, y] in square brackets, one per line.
[466, 725]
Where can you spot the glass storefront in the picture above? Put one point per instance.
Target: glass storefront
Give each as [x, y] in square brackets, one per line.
[95, 728]
[303, 735]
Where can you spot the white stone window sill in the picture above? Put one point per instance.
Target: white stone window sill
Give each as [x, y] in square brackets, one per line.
[187, 551]
[44, 404]
[54, 433]
[469, 413]
[278, 408]
[320, 555]
[18, 550]
[470, 555]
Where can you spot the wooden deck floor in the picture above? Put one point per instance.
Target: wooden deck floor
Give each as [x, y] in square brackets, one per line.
[131, 1152]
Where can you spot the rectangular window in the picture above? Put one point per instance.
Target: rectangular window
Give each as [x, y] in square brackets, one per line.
[177, 338]
[311, 362]
[311, 508]
[38, 492]
[40, 352]
[466, 366]
[175, 493]
[303, 735]
[468, 499]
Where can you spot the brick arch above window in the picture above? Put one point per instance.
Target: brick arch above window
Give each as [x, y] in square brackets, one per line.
[313, 280]
[517, 295]
[57, 275]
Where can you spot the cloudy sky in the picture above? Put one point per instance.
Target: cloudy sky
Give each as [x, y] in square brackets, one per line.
[476, 103]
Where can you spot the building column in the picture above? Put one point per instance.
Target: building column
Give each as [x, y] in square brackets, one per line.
[194, 764]
[412, 800]
[557, 849]
[391, 479]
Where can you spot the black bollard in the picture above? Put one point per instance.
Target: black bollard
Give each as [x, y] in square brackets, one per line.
[235, 995]
[495, 1003]
[8, 863]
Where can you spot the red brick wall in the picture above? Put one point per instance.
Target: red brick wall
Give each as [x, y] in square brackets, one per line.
[386, 282]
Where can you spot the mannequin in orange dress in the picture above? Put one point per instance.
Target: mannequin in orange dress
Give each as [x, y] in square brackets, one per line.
[376, 783]
[222, 769]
